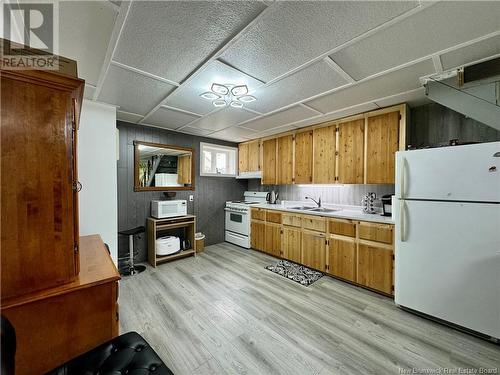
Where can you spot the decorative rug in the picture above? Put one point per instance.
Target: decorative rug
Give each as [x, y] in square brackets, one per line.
[296, 272]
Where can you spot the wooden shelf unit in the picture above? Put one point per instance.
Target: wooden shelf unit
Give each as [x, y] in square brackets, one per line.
[188, 222]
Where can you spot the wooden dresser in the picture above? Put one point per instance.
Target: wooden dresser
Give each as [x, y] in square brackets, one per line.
[56, 324]
[58, 291]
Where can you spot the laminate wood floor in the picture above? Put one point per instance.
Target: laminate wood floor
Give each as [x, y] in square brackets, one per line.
[223, 313]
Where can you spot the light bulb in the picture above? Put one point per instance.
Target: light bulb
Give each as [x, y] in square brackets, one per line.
[236, 104]
[219, 103]
[247, 98]
[239, 90]
[219, 89]
[209, 95]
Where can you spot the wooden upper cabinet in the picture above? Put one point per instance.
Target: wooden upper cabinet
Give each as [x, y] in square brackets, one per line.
[304, 157]
[285, 160]
[324, 155]
[351, 152]
[39, 210]
[269, 162]
[382, 144]
[243, 157]
[253, 156]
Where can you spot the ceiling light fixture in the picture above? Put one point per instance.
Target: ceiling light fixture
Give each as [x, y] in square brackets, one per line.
[228, 94]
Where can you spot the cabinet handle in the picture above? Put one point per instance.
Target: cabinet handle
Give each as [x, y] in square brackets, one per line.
[402, 177]
[402, 228]
[77, 186]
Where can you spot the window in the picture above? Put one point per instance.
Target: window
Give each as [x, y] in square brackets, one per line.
[219, 161]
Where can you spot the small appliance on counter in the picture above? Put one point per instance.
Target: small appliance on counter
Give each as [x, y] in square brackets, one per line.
[387, 205]
[167, 245]
[272, 197]
[168, 208]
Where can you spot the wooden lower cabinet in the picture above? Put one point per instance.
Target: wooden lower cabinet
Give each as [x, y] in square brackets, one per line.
[258, 235]
[314, 250]
[375, 267]
[342, 258]
[273, 239]
[291, 244]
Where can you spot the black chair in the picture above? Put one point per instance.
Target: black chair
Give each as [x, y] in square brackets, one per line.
[131, 268]
[126, 354]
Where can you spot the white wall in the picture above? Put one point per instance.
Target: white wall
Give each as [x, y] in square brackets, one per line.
[97, 154]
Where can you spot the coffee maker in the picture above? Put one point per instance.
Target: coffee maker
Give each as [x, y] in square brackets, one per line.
[387, 205]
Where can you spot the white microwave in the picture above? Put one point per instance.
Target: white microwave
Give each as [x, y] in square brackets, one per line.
[163, 209]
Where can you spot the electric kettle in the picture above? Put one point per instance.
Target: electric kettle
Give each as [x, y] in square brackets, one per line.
[272, 197]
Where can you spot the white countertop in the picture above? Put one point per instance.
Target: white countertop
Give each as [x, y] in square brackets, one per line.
[346, 212]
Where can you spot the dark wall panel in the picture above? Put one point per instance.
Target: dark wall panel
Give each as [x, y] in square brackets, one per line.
[210, 193]
[435, 125]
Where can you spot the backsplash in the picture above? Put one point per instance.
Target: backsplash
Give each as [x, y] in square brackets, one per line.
[335, 194]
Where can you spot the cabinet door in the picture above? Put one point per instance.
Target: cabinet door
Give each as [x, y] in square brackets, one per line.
[313, 250]
[243, 157]
[342, 257]
[254, 156]
[382, 144]
[303, 157]
[375, 267]
[184, 169]
[269, 162]
[38, 212]
[285, 160]
[324, 155]
[351, 152]
[257, 235]
[292, 244]
[273, 240]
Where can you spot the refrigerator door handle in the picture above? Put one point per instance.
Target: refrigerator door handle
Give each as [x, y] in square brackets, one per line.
[402, 229]
[402, 177]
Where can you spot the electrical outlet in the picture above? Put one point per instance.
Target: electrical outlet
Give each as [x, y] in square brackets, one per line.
[191, 198]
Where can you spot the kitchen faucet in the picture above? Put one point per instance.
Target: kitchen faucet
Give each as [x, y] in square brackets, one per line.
[318, 202]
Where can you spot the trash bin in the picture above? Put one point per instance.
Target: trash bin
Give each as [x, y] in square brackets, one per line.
[200, 242]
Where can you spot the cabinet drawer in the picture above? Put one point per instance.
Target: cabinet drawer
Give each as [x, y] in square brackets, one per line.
[258, 214]
[314, 223]
[292, 220]
[376, 232]
[273, 217]
[342, 227]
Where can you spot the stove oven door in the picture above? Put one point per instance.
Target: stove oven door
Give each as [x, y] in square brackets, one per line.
[237, 222]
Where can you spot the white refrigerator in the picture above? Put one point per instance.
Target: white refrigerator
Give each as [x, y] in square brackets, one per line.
[447, 216]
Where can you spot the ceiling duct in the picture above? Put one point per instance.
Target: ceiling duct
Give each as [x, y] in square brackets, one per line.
[473, 91]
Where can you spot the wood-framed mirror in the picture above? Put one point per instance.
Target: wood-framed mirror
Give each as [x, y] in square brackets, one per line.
[163, 167]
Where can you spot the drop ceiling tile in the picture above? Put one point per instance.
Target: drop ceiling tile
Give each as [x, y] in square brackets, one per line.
[131, 91]
[187, 96]
[401, 80]
[195, 131]
[169, 118]
[413, 98]
[128, 117]
[471, 53]
[224, 118]
[88, 92]
[234, 134]
[172, 38]
[277, 130]
[287, 116]
[294, 32]
[85, 30]
[313, 80]
[435, 28]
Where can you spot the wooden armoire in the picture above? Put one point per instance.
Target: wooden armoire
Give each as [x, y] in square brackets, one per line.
[60, 295]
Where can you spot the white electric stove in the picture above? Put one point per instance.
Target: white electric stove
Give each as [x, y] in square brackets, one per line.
[238, 218]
